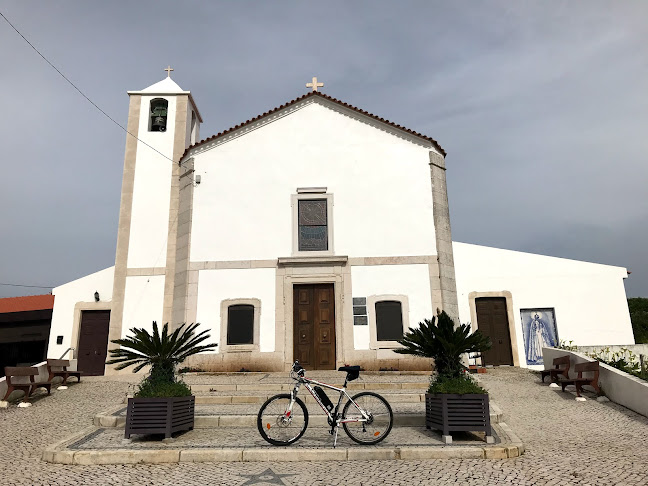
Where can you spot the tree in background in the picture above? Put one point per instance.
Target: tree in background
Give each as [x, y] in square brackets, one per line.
[639, 316]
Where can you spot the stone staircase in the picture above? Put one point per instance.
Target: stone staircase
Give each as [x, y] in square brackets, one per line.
[225, 427]
[237, 404]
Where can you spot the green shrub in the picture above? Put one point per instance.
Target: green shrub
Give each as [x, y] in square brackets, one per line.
[624, 360]
[444, 342]
[567, 346]
[162, 351]
[638, 308]
[162, 389]
[460, 385]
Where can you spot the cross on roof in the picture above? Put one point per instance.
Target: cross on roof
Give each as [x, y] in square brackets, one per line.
[168, 70]
[314, 84]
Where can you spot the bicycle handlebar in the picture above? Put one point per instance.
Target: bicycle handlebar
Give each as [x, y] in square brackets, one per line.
[297, 368]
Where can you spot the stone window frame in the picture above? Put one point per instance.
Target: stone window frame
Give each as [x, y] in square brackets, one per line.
[150, 115]
[233, 348]
[371, 311]
[306, 194]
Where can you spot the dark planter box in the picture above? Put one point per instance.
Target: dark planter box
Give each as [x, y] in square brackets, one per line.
[159, 415]
[458, 413]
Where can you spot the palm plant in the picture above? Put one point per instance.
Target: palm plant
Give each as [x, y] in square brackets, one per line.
[446, 344]
[161, 351]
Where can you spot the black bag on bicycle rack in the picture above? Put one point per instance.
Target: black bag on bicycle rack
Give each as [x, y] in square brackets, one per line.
[325, 399]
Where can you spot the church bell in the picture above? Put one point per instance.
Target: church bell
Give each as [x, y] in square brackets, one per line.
[159, 123]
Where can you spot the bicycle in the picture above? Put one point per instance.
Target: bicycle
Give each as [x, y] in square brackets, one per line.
[367, 418]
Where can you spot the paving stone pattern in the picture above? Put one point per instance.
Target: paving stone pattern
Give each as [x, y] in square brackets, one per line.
[314, 437]
[567, 442]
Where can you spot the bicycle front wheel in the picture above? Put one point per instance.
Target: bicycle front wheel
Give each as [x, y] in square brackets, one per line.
[379, 425]
[279, 425]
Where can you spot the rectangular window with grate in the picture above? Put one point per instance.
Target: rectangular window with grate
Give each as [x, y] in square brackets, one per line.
[313, 225]
[389, 320]
[240, 324]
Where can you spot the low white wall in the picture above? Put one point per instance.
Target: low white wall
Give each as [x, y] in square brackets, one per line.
[620, 387]
[66, 297]
[42, 376]
[589, 299]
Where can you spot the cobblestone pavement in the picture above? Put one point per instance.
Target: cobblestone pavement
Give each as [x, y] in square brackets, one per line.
[567, 442]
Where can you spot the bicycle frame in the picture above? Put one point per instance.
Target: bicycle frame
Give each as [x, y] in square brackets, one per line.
[334, 417]
[365, 419]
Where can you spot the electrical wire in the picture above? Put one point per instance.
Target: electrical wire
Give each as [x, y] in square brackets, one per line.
[30, 286]
[81, 92]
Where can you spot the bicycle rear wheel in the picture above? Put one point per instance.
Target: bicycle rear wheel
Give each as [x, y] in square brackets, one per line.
[277, 424]
[379, 425]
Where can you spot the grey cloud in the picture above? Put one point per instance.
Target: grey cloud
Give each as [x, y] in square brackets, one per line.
[542, 111]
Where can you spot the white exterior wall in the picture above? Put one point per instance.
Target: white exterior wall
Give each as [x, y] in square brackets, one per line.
[214, 286]
[410, 280]
[589, 299]
[143, 303]
[65, 299]
[151, 190]
[380, 184]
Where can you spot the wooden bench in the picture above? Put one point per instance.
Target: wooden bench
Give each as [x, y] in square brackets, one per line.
[557, 370]
[579, 381]
[28, 387]
[64, 373]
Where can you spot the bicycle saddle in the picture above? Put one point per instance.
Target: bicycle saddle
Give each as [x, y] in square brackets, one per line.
[352, 371]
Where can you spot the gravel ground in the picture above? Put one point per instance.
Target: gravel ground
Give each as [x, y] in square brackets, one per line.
[567, 442]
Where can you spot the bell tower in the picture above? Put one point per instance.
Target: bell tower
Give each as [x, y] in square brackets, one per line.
[163, 121]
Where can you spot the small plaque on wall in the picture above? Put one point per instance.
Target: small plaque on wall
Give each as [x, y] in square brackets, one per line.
[360, 311]
[360, 320]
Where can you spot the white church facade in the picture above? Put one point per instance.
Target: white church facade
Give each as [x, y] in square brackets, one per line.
[315, 231]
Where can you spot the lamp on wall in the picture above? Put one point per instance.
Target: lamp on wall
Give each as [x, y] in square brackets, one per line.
[96, 296]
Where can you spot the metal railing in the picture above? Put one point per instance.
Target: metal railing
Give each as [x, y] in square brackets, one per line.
[66, 352]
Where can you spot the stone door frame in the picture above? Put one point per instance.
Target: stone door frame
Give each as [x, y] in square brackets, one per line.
[305, 271]
[473, 296]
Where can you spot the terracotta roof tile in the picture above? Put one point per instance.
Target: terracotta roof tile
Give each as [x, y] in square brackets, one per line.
[309, 95]
[27, 303]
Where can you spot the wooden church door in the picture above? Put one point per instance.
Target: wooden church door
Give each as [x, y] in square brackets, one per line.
[314, 326]
[492, 321]
[93, 342]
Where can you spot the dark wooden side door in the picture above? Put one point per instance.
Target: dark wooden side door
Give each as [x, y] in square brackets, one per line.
[492, 321]
[93, 342]
[314, 326]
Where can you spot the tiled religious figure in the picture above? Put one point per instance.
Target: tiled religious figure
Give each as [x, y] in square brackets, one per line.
[539, 328]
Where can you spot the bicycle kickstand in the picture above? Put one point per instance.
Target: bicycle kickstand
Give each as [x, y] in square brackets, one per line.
[335, 436]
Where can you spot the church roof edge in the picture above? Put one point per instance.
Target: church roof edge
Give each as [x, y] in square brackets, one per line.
[302, 98]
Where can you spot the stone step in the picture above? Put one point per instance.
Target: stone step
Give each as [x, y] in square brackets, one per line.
[108, 446]
[277, 387]
[206, 417]
[307, 398]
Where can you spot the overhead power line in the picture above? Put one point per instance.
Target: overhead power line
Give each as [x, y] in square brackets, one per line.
[30, 286]
[80, 92]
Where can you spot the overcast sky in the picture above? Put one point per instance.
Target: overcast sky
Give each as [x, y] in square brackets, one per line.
[541, 106]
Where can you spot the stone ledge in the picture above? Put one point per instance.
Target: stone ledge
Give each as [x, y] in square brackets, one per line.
[125, 456]
[59, 454]
[313, 260]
